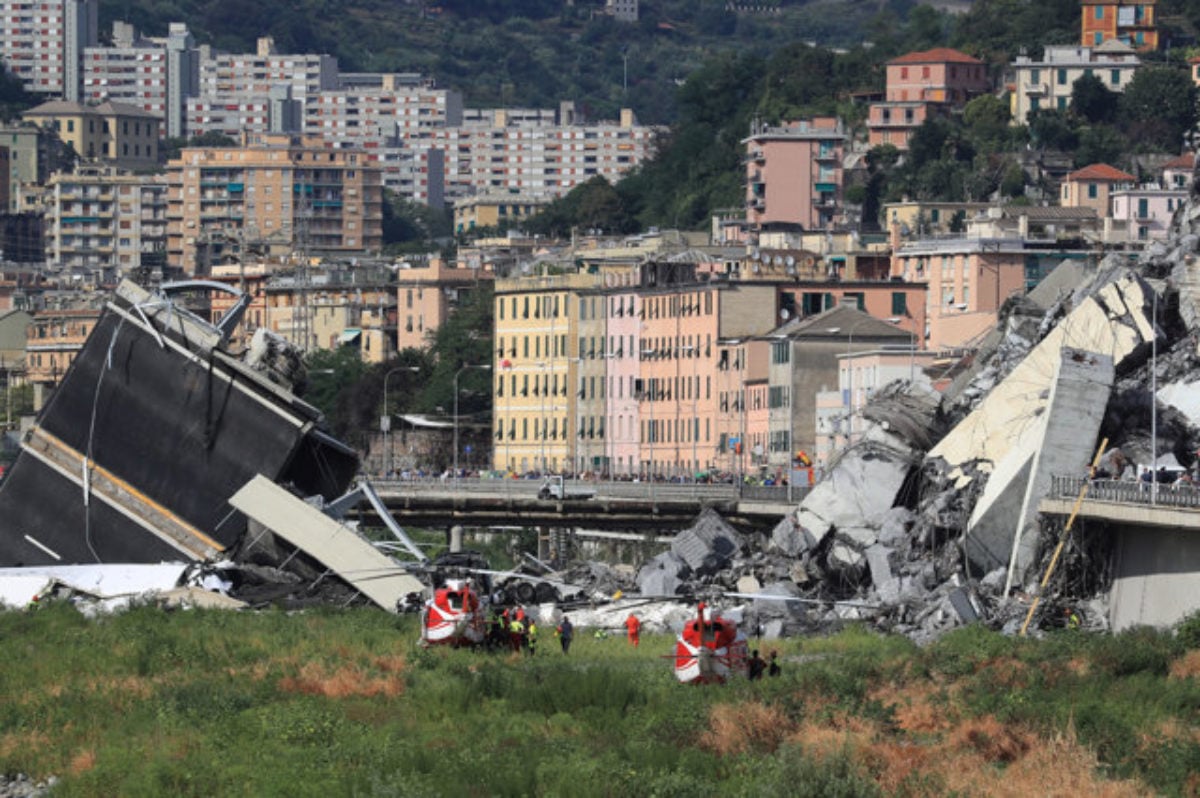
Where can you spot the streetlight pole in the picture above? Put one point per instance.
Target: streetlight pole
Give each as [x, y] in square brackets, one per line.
[1154, 401]
[385, 422]
[483, 366]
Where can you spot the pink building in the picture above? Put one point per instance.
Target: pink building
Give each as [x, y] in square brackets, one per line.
[1144, 213]
[920, 85]
[968, 279]
[1092, 187]
[624, 311]
[794, 174]
[427, 292]
[678, 360]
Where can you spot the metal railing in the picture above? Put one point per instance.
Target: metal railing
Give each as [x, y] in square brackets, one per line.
[1175, 494]
[645, 491]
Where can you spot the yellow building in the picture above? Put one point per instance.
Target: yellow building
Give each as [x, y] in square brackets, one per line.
[121, 135]
[536, 371]
[498, 211]
[272, 186]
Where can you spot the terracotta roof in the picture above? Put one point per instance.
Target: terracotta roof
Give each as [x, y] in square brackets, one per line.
[1185, 161]
[938, 55]
[1101, 171]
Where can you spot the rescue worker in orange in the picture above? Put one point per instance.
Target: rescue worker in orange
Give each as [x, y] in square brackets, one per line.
[634, 627]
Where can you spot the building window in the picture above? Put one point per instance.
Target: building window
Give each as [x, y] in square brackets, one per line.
[1062, 77]
[899, 304]
[1093, 191]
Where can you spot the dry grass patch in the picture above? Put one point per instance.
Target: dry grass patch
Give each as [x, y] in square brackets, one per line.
[1005, 672]
[978, 756]
[343, 682]
[13, 742]
[839, 733]
[747, 727]
[1187, 666]
[915, 707]
[82, 762]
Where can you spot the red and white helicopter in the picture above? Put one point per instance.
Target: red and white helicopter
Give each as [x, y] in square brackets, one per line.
[454, 616]
[710, 649]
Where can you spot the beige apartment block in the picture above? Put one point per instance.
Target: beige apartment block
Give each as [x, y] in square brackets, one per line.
[100, 218]
[1048, 83]
[496, 211]
[55, 336]
[277, 187]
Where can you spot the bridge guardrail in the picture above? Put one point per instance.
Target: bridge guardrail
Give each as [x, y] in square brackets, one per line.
[1182, 495]
[644, 491]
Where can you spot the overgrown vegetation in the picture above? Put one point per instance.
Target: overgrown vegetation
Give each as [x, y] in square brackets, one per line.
[351, 392]
[344, 702]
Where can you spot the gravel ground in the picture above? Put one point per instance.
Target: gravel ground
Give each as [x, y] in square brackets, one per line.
[21, 786]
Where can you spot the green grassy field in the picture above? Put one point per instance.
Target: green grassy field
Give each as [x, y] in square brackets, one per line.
[212, 703]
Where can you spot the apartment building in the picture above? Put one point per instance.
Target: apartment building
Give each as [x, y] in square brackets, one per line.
[55, 337]
[102, 219]
[806, 354]
[620, 433]
[536, 367]
[1049, 82]
[260, 92]
[42, 43]
[499, 211]
[377, 111]
[154, 74]
[515, 153]
[968, 279]
[920, 85]
[116, 134]
[284, 187]
[1133, 23]
[622, 10]
[428, 291]
[1177, 172]
[794, 174]
[839, 420]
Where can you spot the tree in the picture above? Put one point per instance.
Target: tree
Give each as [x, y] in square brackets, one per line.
[411, 223]
[1051, 129]
[1092, 100]
[1158, 108]
[334, 387]
[987, 119]
[1100, 144]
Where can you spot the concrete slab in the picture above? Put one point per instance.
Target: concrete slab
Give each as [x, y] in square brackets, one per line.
[1113, 321]
[339, 548]
[1058, 439]
[858, 492]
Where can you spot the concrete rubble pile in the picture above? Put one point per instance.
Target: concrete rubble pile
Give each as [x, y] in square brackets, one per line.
[931, 520]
